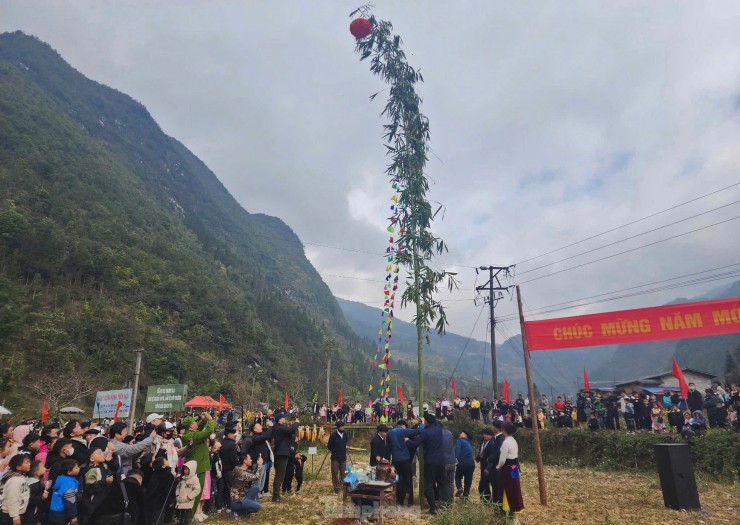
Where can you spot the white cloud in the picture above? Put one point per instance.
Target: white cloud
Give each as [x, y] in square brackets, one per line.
[550, 122]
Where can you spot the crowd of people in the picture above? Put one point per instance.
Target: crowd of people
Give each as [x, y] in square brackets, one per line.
[661, 411]
[448, 464]
[80, 472]
[166, 471]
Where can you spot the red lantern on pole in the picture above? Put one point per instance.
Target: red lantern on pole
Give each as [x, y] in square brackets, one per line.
[360, 28]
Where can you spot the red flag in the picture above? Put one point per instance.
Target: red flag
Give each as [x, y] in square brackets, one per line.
[506, 390]
[44, 412]
[340, 398]
[286, 402]
[454, 388]
[586, 386]
[400, 395]
[678, 374]
[118, 407]
[221, 401]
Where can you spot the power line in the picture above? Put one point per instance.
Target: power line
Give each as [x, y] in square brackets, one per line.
[630, 250]
[709, 278]
[629, 238]
[630, 223]
[635, 287]
[465, 346]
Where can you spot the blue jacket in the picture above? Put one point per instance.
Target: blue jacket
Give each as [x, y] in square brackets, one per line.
[433, 441]
[447, 449]
[464, 452]
[64, 496]
[399, 450]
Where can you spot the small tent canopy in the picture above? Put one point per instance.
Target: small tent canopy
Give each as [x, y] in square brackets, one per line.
[204, 402]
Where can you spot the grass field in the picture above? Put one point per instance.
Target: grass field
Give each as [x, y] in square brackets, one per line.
[575, 495]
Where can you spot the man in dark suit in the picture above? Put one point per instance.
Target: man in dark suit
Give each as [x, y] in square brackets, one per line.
[282, 439]
[338, 447]
[379, 447]
[486, 447]
[493, 457]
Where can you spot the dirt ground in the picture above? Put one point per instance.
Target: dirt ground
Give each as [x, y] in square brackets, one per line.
[575, 495]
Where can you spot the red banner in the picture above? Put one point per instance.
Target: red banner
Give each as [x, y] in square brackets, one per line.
[675, 321]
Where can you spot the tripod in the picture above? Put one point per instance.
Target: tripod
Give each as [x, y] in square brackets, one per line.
[308, 489]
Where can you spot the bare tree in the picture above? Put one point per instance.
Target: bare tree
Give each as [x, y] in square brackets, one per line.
[63, 389]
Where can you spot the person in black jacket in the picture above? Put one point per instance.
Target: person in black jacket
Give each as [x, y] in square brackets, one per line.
[259, 447]
[282, 439]
[74, 432]
[291, 469]
[229, 461]
[160, 494]
[379, 447]
[338, 448]
[484, 452]
[112, 507]
[695, 401]
[493, 456]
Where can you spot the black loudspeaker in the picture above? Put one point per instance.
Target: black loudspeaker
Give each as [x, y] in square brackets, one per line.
[677, 476]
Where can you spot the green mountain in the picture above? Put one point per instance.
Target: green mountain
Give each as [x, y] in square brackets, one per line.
[113, 237]
[552, 371]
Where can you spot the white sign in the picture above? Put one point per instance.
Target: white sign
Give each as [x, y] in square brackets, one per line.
[312, 451]
[106, 403]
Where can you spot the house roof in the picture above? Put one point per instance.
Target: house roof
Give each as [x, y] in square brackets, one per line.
[655, 378]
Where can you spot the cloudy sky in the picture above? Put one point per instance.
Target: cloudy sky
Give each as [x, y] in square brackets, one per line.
[551, 122]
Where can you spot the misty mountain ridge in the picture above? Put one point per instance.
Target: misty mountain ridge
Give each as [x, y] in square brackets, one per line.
[554, 371]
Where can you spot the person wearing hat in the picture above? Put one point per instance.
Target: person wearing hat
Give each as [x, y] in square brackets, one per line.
[154, 419]
[229, 461]
[194, 438]
[338, 448]
[282, 439]
[379, 447]
[437, 449]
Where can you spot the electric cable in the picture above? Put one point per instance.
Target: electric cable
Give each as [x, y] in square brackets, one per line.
[631, 223]
[629, 238]
[630, 250]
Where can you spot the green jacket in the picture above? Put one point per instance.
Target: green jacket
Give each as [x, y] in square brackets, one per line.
[198, 451]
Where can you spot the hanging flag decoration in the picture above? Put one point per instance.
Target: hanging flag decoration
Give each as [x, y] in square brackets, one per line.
[382, 359]
[341, 401]
[286, 402]
[400, 395]
[44, 412]
[682, 384]
[221, 402]
[118, 407]
[506, 390]
[586, 386]
[454, 389]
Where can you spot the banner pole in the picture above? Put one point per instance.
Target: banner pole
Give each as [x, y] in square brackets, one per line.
[532, 406]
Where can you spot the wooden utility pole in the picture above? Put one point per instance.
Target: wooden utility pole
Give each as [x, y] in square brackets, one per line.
[532, 404]
[137, 373]
[328, 373]
[494, 294]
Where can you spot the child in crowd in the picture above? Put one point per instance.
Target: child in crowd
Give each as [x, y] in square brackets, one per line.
[95, 480]
[63, 509]
[14, 489]
[36, 494]
[187, 490]
[160, 493]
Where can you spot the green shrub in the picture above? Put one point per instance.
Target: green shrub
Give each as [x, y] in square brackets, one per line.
[716, 453]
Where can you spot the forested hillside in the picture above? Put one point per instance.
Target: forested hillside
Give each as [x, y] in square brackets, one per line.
[113, 236]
